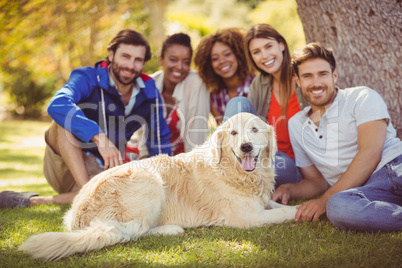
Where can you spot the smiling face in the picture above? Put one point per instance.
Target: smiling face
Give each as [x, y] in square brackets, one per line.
[176, 63]
[317, 82]
[224, 62]
[267, 54]
[127, 63]
[247, 140]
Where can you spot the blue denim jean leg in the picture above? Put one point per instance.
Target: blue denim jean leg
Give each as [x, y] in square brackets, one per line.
[375, 206]
[286, 170]
[238, 105]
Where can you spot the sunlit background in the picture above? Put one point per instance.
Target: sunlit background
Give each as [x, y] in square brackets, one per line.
[42, 41]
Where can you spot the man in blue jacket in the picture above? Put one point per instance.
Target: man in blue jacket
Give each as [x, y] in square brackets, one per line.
[95, 113]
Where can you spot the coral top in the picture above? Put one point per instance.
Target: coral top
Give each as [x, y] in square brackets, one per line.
[280, 123]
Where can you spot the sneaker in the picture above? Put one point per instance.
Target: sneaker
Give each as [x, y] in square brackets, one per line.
[9, 199]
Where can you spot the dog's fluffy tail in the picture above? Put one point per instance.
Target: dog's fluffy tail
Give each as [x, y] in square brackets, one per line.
[54, 246]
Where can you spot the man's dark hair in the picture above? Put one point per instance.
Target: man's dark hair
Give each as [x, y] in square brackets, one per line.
[313, 51]
[129, 37]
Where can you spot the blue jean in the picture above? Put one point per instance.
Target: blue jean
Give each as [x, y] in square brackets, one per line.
[375, 206]
[286, 170]
[285, 166]
[238, 105]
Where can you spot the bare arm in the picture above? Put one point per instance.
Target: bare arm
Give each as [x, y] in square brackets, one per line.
[370, 141]
[312, 184]
[110, 154]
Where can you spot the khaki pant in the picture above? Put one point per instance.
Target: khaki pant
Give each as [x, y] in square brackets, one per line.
[57, 173]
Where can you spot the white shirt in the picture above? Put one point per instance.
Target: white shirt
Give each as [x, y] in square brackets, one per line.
[139, 83]
[193, 102]
[332, 145]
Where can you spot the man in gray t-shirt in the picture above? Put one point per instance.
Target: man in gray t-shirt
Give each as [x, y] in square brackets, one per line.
[346, 149]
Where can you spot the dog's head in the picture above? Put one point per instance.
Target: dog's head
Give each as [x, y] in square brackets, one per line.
[247, 140]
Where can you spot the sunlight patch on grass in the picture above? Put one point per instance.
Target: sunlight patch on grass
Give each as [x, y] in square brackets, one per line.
[21, 155]
[199, 250]
[317, 244]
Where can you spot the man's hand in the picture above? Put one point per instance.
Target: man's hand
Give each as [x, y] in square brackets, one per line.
[281, 193]
[110, 154]
[311, 210]
[370, 141]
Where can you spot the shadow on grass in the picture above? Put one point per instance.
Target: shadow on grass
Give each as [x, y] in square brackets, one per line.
[43, 189]
[36, 213]
[316, 244]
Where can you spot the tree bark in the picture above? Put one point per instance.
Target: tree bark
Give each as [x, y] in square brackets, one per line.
[157, 10]
[366, 38]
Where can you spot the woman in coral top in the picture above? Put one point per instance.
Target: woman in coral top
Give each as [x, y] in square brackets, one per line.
[273, 94]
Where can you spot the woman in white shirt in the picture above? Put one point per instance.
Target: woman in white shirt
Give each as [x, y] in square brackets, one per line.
[185, 97]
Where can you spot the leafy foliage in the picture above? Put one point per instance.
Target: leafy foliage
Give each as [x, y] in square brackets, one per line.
[42, 41]
[28, 91]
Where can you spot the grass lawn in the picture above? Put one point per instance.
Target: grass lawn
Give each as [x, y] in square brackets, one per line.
[287, 245]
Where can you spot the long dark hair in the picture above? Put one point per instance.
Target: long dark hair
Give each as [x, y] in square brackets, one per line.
[263, 30]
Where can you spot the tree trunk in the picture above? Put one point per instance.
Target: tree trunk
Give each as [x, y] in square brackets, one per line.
[157, 10]
[366, 38]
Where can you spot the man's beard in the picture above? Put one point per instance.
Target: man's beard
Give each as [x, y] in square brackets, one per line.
[115, 68]
[323, 101]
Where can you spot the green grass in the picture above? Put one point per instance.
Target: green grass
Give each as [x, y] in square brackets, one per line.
[21, 156]
[287, 245]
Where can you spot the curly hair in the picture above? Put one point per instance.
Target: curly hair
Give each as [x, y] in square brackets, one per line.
[232, 37]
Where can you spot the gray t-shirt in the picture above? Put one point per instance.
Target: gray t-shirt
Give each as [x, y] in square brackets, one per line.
[332, 145]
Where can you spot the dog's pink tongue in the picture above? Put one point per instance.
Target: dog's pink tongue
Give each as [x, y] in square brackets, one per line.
[248, 163]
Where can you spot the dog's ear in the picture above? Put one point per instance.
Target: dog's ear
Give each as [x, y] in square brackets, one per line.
[272, 146]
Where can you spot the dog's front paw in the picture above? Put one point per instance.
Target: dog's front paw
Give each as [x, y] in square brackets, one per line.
[292, 210]
[287, 213]
[166, 230]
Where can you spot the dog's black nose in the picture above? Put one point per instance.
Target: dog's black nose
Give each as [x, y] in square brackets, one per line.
[246, 147]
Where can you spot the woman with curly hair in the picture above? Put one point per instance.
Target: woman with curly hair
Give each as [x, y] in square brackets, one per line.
[222, 65]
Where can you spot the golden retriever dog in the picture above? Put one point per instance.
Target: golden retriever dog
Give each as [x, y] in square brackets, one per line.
[226, 181]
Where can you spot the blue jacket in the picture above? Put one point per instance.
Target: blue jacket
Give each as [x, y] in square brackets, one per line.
[78, 107]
